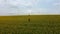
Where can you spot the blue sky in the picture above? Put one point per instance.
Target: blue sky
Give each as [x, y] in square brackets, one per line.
[24, 7]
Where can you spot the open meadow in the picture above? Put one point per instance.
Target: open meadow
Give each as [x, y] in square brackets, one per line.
[38, 24]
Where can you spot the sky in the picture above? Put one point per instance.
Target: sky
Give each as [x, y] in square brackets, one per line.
[25, 7]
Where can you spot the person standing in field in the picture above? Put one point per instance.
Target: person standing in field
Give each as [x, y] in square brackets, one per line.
[28, 19]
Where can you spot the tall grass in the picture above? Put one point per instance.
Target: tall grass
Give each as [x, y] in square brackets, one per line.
[39, 24]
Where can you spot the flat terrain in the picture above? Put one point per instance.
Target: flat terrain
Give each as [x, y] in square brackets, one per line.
[34, 24]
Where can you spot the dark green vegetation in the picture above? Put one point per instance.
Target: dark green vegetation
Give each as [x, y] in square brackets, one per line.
[39, 24]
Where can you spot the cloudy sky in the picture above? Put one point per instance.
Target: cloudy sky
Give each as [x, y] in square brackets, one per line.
[23, 7]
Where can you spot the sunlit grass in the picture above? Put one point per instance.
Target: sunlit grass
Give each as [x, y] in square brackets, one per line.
[39, 24]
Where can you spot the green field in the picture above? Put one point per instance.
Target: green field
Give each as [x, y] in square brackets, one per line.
[39, 24]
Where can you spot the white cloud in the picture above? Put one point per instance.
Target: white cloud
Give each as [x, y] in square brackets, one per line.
[21, 2]
[56, 4]
[13, 7]
[18, 7]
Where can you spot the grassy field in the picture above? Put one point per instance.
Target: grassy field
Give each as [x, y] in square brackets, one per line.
[39, 24]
